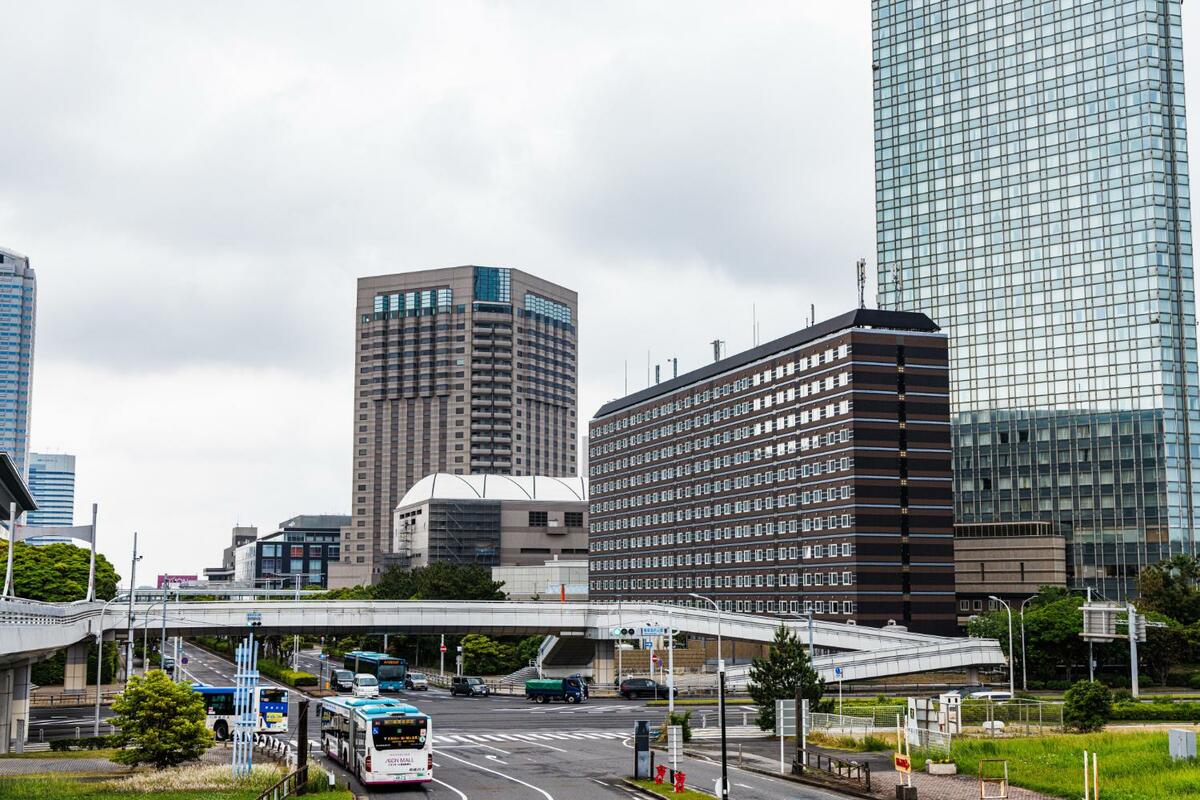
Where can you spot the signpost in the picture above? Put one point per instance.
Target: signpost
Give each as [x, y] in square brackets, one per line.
[837, 672]
[674, 747]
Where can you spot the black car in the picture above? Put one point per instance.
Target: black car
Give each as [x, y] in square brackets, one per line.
[341, 680]
[643, 687]
[468, 687]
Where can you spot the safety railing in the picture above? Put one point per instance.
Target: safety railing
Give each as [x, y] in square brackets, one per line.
[835, 770]
[289, 786]
[279, 749]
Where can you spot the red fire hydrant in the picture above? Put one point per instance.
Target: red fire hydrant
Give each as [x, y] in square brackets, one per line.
[679, 779]
[660, 772]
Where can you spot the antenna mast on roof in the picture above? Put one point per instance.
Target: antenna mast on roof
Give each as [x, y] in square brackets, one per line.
[861, 269]
[716, 345]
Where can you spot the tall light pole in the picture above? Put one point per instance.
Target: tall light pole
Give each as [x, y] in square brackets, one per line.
[1012, 690]
[1024, 672]
[132, 592]
[100, 662]
[720, 696]
[670, 661]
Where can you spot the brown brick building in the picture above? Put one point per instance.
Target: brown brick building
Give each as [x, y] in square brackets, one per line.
[811, 473]
[459, 370]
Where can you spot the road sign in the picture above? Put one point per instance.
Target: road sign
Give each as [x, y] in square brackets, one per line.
[837, 672]
[652, 630]
[184, 660]
[902, 761]
[443, 647]
[674, 744]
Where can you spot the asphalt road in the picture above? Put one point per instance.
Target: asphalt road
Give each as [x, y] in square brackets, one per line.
[503, 747]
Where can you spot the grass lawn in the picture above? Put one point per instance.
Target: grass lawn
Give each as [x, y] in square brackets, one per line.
[1133, 766]
[191, 782]
[667, 791]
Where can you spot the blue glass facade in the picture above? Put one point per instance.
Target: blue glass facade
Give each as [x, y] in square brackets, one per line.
[1032, 197]
[18, 307]
[493, 285]
[52, 483]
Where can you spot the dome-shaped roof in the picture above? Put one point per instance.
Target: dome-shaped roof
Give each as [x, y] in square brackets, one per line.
[444, 486]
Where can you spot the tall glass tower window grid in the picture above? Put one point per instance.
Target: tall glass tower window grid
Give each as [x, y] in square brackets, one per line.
[1032, 197]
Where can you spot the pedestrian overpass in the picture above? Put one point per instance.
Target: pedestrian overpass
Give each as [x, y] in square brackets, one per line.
[30, 631]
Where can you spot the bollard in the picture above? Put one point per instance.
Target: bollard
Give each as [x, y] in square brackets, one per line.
[76, 731]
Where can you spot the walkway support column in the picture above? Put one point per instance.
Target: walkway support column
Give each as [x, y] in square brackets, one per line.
[6, 687]
[18, 719]
[603, 666]
[75, 674]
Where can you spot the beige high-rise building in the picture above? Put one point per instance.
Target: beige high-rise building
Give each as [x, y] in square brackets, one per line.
[463, 370]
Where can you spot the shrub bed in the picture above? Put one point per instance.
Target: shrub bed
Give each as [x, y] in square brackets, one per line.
[1156, 712]
[85, 743]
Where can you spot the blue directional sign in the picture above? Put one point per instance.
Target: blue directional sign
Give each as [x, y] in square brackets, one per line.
[653, 630]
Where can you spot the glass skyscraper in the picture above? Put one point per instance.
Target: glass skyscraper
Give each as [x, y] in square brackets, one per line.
[18, 309]
[1032, 197]
[52, 484]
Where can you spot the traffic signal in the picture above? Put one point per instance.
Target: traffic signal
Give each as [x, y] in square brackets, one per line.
[623, 633]
[1140, 627]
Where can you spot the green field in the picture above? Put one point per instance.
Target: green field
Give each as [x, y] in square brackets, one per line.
[1133, 766]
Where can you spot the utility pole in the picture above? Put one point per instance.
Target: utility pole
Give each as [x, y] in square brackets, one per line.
[132, 592]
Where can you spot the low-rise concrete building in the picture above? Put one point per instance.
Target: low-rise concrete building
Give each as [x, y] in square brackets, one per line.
[1009, 560]
[491, 520]
[553, 580]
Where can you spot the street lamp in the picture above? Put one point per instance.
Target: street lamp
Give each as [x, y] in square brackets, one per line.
[1024, 672]
[100, 662]
[1012, 691]
[720, 695]
[132, 592]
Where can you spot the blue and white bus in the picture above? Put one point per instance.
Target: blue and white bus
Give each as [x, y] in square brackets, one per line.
[381, 740]
[389, 670]
[269, 703]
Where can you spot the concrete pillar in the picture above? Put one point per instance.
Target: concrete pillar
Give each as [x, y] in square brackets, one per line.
[972, 676]
[19, 706]
[604, 663]
[6, 687]
[75, 677]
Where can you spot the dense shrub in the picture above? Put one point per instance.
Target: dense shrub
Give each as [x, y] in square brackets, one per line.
[273, 669]
[85, 743]
[1088, 706]
[1156, 712]
[1194, 680]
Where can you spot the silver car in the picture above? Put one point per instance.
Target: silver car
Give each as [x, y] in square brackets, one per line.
[417, 681]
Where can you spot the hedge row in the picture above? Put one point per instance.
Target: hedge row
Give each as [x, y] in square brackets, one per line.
[86, 743]
[282, 674]
[1156, 712]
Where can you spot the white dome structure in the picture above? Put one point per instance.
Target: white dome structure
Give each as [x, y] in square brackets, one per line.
[444, 486]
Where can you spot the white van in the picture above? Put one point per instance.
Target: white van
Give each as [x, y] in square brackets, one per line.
[366, 685]
[995, 697]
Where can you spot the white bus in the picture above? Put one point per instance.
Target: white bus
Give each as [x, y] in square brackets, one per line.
[269, 703]
[381, 740]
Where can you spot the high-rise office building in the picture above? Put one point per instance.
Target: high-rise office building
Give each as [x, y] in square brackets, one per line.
[18, 311]
[810, 474]
[52, 483]
[1032, 198]
[459, 370]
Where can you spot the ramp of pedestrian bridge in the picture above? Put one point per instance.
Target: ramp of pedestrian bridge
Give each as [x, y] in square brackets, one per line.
[30, 630]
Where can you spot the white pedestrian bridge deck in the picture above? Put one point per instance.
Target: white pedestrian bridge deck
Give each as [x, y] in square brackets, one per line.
[30, 630]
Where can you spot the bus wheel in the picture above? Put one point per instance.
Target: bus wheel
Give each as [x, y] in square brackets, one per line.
[221, 731]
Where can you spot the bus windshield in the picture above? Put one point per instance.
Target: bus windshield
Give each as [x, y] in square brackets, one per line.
[388, 672]
[273, 695]
[399, 734]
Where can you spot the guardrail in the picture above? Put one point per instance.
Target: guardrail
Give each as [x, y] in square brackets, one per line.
[290, 785]
[281, 750]
[836, 770]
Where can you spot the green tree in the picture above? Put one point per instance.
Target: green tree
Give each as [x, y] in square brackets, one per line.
[1166, 648]
[777, 677]
[1053, 623]
[57, 573]
[1172, 587]
[438, 581]
[483, 655]
[161, 722]
[527, 649]
[1087, 706]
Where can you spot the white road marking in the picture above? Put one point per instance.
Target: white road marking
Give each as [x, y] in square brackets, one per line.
[597, 780]
[489, 747]
[547, 746]
[542, 792]
[496, 759]
[448, 786]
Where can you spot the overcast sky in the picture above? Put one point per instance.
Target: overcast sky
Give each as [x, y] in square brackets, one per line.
[199, 185]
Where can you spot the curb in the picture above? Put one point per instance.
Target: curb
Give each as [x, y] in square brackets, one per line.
[638, 790]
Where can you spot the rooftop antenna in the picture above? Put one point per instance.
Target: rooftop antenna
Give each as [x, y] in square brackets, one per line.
[861, 269]
[813, 309]
[657, 374]
[754, 324]
[647, 368]
[674, 367]
[716, 345]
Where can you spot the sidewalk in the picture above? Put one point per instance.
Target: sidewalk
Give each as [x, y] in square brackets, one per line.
[763, 754]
